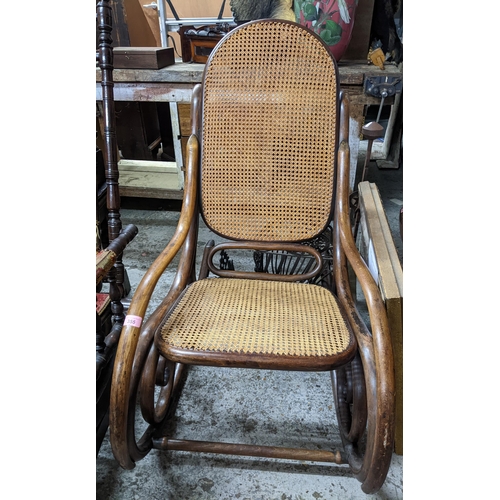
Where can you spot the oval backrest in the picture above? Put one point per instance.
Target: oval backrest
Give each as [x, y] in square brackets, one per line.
[269, 133]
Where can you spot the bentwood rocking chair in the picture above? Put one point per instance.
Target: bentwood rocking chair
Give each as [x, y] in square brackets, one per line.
[268, 170]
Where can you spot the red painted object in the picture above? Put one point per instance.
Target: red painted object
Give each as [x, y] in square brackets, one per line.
[332, 20]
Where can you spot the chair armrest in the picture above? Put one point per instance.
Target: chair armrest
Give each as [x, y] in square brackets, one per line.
[145, 289]
[120, 388]
[375, 346]
[371, 291]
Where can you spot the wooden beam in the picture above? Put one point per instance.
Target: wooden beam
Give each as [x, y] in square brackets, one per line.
[152, 92]
[250, 450]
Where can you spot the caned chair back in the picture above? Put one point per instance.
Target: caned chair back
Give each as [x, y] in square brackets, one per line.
[269, 134]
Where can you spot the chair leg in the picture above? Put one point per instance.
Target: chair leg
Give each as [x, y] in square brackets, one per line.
[153, 385]
[349, 391]
[365, 416]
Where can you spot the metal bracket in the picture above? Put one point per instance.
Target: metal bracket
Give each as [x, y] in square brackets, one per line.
[383, 86]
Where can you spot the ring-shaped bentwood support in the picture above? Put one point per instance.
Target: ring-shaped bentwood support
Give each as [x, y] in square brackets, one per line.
[294, 99]
[299, 248]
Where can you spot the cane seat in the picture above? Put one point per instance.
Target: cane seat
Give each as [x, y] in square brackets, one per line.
[298, 325]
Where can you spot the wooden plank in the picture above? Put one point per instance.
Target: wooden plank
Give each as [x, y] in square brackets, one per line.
[350, 73]
[185, 126]
[356, 119]
[379, 251]
[148, 92]
[147, 175]
[358, 97]
[157, 193]
[184, 141]
[185, 119]
[178, 73]
[376, 231]
[176, 136]
[393, 289]
[147, 166]
[148, 180]
[355, 72]
[151, 16]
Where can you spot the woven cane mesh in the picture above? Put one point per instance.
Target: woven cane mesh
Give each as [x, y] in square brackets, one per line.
[257, 317]
[269, 119]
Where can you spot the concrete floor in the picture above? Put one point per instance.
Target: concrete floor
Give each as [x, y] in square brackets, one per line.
[266, 407]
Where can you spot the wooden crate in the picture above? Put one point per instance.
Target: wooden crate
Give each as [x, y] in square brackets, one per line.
[377, 248]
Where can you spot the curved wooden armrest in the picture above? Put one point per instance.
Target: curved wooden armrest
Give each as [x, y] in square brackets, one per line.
[149, 281]
[374, 301]
[375, 344]
[132, 325]
[376, 307]
[375, 349]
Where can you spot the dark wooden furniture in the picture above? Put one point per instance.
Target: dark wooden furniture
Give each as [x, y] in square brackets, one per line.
[100, 196]
[268, 169]
[108, 328]
[109, 264]
[198, 42]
